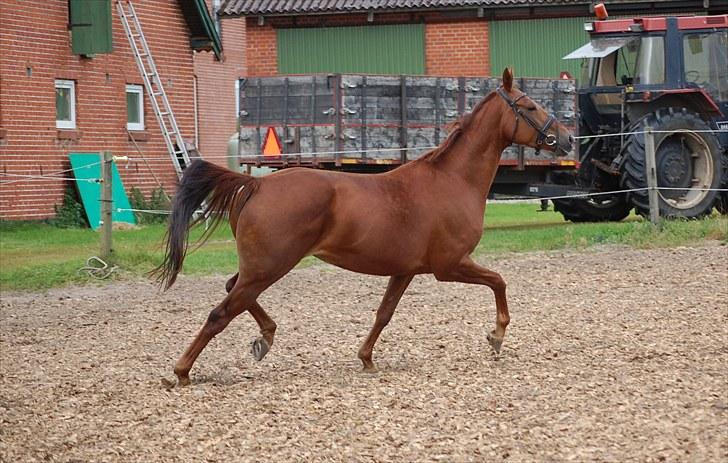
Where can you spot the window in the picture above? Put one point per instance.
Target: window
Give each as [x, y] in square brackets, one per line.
[65, 104]
[705, 57]
[650, 63]
[134, 107]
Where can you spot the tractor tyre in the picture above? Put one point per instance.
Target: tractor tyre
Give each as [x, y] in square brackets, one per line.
[687, 155]
[606, 208]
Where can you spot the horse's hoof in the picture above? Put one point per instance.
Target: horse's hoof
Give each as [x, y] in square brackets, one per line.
[183, 377]
[167, 384]
[495, 343]
[369, 369]
[259, 348]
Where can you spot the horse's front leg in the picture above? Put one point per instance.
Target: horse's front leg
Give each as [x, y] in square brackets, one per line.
[395, 289]
[467, 271]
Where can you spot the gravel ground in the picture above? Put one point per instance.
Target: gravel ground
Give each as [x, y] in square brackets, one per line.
[612, 355]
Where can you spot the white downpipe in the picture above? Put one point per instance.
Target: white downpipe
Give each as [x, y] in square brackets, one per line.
[196, 110]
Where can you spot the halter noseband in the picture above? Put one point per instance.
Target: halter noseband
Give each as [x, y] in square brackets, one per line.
[543, 137]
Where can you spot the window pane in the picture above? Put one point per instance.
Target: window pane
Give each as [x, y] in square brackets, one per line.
[705, 56]
[651, 61]
[132, 108]
[63, 104]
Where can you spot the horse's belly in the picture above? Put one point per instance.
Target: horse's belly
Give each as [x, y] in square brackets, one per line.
[374, 261]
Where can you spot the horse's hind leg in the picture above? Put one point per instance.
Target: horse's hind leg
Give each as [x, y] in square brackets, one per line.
[232, 306]
[262, 345]
[231, 283]
[395, 289]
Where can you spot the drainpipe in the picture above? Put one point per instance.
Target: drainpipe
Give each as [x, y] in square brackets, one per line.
[196, 111]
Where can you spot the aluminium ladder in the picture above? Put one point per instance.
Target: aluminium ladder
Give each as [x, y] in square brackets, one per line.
[176, 146]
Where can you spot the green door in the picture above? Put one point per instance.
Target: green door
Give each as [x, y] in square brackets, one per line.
[534, 47]
[392, 49]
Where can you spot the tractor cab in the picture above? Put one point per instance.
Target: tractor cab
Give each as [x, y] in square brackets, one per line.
[669, 74]
[629, 64]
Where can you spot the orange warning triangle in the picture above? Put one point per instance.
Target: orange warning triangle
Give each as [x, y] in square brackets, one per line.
[272, 144]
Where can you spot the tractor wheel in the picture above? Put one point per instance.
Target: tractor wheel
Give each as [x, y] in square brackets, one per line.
[598, 208]
[683, 160]
[605, 208]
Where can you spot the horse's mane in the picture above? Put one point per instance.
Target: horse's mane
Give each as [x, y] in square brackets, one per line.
[456, 129]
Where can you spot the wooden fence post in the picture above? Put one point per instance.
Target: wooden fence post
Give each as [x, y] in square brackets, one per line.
[106, 200]
[652, 192]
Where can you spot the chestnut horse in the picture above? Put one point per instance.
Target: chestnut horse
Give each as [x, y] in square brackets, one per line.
[424, 217]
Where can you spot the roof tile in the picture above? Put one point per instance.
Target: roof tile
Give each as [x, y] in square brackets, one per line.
[285, 7]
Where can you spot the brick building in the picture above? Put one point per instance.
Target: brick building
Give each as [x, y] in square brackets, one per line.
[440, 37]
[259, 38]
[67, 87]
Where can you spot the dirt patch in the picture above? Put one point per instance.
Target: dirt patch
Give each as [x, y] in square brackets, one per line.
[612, 355]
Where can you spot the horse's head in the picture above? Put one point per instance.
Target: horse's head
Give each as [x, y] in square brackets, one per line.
[539, 129]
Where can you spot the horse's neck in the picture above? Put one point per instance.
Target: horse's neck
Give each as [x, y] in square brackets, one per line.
[475, 155]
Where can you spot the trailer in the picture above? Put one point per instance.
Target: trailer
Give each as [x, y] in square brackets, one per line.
[374, 123]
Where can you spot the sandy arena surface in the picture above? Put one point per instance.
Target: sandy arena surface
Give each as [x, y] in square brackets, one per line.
[612, 355]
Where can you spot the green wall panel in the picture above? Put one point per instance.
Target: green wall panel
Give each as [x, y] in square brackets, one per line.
[534, 47]
[393, 49]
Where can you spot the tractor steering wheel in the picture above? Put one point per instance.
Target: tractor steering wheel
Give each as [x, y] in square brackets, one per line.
[692, 76]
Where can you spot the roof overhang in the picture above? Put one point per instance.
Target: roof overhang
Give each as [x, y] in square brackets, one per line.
[203, 33]
[599, 47]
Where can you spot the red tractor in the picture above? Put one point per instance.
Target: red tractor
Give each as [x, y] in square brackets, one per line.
[668, 73]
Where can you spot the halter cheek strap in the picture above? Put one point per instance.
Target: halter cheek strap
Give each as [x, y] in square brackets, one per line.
[543, 136]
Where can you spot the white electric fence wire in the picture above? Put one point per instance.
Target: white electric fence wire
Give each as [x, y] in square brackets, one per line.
[51, 176]
[54, 175]
[146, 211]
[638, 132]
[524, 200]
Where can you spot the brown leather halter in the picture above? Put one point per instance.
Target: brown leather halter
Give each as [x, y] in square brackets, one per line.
[543, 136]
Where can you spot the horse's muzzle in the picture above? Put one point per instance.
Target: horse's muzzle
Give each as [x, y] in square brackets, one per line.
[564, 143]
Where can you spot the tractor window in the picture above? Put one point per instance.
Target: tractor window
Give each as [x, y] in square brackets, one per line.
[637, 62]
[650, 65]
[627, 62]
[706, 62]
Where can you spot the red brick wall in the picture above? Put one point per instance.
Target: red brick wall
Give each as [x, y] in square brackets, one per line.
[216, 91]
[457, 49]
[34, 36]
[261, 49]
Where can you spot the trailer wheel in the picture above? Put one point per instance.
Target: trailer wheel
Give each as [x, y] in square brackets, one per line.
[687, 156]
[606, 208]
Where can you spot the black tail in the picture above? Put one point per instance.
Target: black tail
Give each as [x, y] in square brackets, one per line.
[201, 181]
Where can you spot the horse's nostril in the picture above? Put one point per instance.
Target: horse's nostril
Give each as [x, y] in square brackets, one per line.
[571, 139]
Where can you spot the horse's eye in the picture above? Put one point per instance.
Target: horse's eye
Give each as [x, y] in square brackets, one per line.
[531, 108]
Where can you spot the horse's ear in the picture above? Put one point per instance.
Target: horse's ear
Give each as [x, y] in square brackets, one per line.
[508, 79]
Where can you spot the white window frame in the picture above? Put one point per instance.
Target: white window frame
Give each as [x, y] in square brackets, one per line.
[70, 85]
[138, 89]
